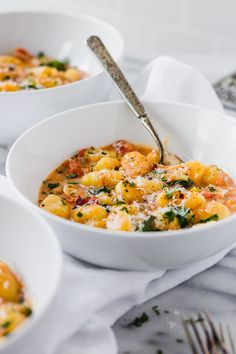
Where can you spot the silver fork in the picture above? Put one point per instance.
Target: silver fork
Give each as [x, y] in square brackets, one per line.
[206, 337]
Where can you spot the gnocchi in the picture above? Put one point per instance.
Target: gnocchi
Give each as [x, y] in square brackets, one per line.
[14, 306]
[123, 187]
[24, 71]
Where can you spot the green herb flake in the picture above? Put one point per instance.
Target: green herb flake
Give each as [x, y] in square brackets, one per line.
[164, 179]
[53, 185]
[139, 321]
[72, 175]
[179, 340]
[169, 215]
[159, 351]
[169, 194]
[119, 202]
[79, 214]
[27, 311]
[96, 191]
[184, 216]
[59, 65]
[125, 209]
[156, 310]
[40, 55]
[214, 217]
[212, 189]
[6, 324]
[128, 183]
[149, 224]
[183, 183]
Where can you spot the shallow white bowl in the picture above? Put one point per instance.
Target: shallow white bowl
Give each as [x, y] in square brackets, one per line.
[192, 132]
[61, 36]
[29, 245]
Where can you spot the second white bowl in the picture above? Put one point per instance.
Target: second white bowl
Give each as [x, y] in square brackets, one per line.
[61, 36]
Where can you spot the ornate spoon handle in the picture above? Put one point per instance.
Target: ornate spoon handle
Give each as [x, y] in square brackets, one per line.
[126, 91]
[99, 49]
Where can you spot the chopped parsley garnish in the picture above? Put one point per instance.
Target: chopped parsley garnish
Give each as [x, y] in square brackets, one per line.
[212, 189]
[184, 215]
[149, 224]
[156, 310]
[164, 179]
[96, 191]
[104, 153]
[6, 324]
[139, 321]
[183, 183]
[169, 215]
[131, 184]
[59, 65]
[72, 175]
[79, 214]
[26, 310]
[119, 202]
[159, 351]
[169, 194]
[40, 55]
[125, 209]
[53, 185]
[214, 217]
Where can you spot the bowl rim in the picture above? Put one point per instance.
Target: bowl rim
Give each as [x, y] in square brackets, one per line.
[113, 233]
[66, 13]
[22, 330]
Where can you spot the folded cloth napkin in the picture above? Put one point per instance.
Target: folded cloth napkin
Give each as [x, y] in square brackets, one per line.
[90, 299]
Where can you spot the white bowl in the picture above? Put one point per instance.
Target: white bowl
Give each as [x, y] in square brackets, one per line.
[30, 247]
[61, 36]
[191, 131]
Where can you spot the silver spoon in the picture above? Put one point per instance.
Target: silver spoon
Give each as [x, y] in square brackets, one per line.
[126, 91]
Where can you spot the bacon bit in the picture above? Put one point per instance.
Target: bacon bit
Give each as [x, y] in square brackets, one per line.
[207, 194]
[81, 152]
[23, 54]
[81, 201]
[123, 146]
[74, 166]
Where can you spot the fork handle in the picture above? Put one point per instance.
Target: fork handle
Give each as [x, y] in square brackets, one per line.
[126, 91]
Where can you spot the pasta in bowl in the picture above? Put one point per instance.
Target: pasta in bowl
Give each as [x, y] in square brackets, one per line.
[22, 70]
[122, 187]
[15, 307]
[193, 133]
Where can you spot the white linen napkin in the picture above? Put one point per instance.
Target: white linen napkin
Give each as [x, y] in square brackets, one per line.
[89, 301]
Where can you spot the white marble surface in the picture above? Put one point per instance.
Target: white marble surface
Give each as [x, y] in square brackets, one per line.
[214, 289]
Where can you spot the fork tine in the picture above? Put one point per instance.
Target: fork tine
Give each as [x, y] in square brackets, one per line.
[189, 337]
[198, 336]
[210, 343]
[215, 335]
[222, 337]
[231, 340]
